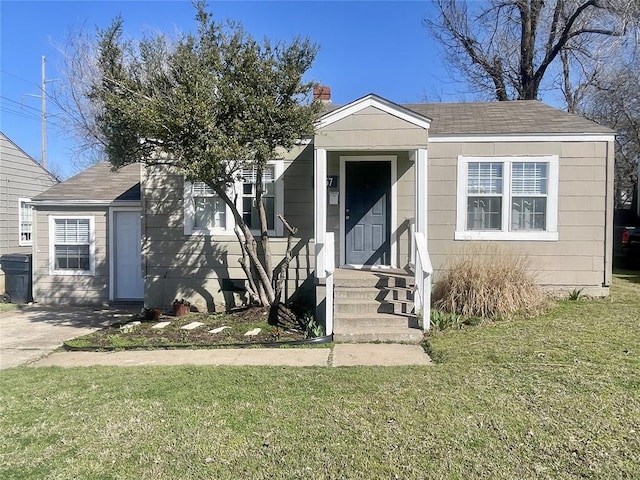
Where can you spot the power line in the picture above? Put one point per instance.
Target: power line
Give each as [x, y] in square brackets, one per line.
[18, 113]
[20, 103]
[19, 78]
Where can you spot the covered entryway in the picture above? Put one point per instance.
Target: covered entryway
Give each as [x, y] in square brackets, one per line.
[127, 275]
[376, 151]
[367, 212]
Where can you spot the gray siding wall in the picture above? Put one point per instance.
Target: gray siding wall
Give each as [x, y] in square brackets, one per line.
[71, 289]
[20, 177]
[371, 129]
[198, 267]
[577, 258]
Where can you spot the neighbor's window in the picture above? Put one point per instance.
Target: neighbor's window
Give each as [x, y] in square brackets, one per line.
[507, 198]
[205, 213]
[72, 245]
[25, 221]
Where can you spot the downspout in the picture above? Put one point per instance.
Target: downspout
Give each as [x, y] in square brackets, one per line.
[608, 217]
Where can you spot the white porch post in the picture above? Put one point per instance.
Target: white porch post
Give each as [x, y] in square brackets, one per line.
[423, 268]
[420, 166]
[324, 242]
[320, 208]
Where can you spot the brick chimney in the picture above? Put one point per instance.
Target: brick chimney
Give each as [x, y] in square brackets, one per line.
[322, 93]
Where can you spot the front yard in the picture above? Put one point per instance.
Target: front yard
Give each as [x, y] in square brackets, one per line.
[556, 397]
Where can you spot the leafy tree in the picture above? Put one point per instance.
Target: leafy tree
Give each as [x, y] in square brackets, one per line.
[213, 103]
[507, 49]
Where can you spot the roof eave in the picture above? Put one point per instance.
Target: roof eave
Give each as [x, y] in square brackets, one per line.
[523, 137]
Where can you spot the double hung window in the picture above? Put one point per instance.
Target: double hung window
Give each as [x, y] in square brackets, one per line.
[249, 210]
[25, 225]
[507, 198]
[71, 245]
[206, 214]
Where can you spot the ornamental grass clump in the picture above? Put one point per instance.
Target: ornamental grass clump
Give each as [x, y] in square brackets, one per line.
[488, 281]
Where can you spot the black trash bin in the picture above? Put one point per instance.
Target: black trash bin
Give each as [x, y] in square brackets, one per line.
[17, 269]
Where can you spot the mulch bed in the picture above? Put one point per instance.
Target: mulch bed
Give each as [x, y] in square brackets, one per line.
[127, 335]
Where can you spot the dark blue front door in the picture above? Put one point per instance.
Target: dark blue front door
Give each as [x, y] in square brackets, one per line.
[367, 203]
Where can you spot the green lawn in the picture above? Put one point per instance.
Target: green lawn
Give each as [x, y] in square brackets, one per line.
[555, 397]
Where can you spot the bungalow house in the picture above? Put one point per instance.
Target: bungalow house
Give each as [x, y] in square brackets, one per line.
[381, 195]
[21, 178]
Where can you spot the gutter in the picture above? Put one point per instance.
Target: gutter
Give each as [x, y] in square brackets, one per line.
[85, 203]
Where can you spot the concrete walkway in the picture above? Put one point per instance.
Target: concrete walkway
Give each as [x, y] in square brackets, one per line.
[341, 355]
[30, 334]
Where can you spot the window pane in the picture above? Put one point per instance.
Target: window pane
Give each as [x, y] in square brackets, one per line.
[201, 188]
[26, 212]
[249, 212]
[484, 213]
[484, 178]
[529, 178]
[72, 257]
[210, 212]
[529, 213]
[72, 230]
[269, 206]
[247, 209]
[25, 231]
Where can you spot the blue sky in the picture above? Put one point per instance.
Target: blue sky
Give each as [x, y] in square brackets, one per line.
[365, 46]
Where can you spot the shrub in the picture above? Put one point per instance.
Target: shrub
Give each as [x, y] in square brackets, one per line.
[444, 320]
[488, 281]
[575, 294]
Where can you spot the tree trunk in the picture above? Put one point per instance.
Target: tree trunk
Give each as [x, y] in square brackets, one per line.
[250, 260]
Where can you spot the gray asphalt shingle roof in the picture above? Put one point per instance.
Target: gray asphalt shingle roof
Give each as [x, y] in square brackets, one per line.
[98, 182]
[524, 117]
[517, 117]
[528, 117]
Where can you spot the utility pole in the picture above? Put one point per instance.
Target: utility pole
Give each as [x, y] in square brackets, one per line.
[43, 100]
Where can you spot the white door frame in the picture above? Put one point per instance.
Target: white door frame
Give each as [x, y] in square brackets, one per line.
[393, 224]
[112, 242]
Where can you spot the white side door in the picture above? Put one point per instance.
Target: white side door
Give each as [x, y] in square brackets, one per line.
[129, 284]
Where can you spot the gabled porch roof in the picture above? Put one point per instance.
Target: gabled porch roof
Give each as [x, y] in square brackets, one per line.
[373, 100]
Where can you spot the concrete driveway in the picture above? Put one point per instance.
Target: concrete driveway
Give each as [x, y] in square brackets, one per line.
[32, 331]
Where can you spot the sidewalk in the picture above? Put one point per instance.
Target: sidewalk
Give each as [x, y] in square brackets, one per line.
[30, 334]
[341, 355]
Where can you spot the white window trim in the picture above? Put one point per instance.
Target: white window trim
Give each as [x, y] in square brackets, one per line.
[52, 246]
[21, 242]
[189, 207]
[548, 235]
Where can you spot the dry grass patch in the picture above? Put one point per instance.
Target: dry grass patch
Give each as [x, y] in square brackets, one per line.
[488, 281]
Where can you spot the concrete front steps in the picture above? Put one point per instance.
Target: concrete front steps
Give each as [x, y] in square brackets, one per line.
[374, 306]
